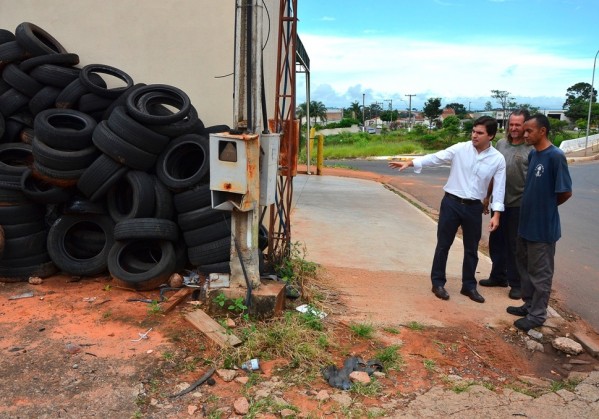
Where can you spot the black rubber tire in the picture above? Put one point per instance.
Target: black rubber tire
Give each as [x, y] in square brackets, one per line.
[185, 162]
[70, 95]
[11, 195]
[207, 234]
[6, 36]
[19, 214]
[214, 252]
[219, 267]
[63, 159]
[164, 207]
[146, 228]
[129, 275]
[191, 124]
[10, 273]
[120, 150]
[63, 60]
[94, 104]
[42, 192]
[111, 93]
[121, 100]
[78, 205]
[135, 133]
[132, 197]
[37, 41]
[62, 178]
[54, 75]
[44, 99]
[169, 95]
[21, 81]
[11, 51]
[24, 246]
[200, 218]
[198, 197]
[64, 129]
[100, 176]
[12, 101]
[216, 129]
[23, 229]
[2, 126]
[15, 158]
[59, 234]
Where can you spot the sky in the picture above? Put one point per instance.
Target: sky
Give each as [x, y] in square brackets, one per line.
[457, 50]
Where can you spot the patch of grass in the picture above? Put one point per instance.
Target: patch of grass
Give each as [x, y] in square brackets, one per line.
[461, 386]
[296, 271]
[168, 356]
[107, 287]
[392, 330]
[362, 330]
[107, 314]
[526, 390]
[390, 357]
[372, 389]
[415, 326]
[154, 308]
[429, 365]
[488, 385]
[267, 405]
[569, 385]
[287, 337]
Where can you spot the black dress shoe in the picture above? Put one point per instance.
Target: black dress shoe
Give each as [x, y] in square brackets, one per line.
[524, 324]
[515, 294]
[473, 294]
[517, 311]
[440, 293]
[491, 282]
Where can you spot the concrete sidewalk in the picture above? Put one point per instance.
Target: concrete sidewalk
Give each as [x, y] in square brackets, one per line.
[361, 225]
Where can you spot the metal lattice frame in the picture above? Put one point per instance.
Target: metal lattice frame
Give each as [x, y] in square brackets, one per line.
[280, 212]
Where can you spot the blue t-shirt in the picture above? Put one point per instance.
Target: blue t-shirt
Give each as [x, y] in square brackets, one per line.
[547, 176]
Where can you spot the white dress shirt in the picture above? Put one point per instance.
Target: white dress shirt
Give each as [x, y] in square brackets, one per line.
[471, 171]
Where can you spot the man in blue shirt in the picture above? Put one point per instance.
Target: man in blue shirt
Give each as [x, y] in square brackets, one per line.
[548, 185]
[473, 165]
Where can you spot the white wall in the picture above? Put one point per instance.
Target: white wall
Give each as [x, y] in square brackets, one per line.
[184, 43]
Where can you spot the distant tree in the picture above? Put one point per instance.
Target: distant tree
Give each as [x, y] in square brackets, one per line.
[317, 110]
[432, 110]
[532, 109]
[503, 98]
[355, 110]
[488, 106]
[459, 109]
[451, 126]
[389, 116]
[577, 100]
[375, 110]
[467, 126]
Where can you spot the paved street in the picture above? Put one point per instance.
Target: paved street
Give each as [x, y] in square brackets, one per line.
[576, 279]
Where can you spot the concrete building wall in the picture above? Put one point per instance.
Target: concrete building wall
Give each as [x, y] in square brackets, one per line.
[184, 43]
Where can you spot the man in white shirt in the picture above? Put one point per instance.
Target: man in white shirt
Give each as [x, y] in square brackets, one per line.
[473, 165]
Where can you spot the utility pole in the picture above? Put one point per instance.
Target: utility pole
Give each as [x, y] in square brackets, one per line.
[390, 110]
[363, 119]
[410, 113]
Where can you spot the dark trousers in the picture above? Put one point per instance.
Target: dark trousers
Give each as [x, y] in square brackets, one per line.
[502, 248]
[536, 263]
[453, 215]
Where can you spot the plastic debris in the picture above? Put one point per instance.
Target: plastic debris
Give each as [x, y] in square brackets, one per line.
[142, 336]
[308, 309]
[191, 280]
[535, 334]
[251, 365]
[28, 294]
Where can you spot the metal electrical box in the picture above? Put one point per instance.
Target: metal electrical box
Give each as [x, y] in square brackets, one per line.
[269, 167]
[234, 164]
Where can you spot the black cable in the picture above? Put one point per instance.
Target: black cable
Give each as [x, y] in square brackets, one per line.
[248, 58]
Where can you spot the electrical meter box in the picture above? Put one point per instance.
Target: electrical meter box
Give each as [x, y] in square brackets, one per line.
[269, 167]
[234, 171]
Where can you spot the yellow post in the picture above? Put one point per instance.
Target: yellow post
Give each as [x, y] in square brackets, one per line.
[309, 147]
[320, 154]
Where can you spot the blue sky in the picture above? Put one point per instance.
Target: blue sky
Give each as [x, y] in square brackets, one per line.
[458, 50]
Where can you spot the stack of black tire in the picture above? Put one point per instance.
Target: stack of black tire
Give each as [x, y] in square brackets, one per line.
[96, 178]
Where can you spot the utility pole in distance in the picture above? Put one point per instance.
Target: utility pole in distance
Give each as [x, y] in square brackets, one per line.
[363, 120]
[410, 113]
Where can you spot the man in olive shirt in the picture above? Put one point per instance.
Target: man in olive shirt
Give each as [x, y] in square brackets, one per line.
[502, 242]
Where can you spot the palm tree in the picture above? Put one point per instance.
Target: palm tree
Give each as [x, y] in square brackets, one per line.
[356, 110]
[317, 110]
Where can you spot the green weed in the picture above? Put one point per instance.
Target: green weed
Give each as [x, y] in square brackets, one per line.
[362, 330]
[390, 357]
[415, 326]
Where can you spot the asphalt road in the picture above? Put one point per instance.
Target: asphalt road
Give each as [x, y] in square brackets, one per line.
[576, 280]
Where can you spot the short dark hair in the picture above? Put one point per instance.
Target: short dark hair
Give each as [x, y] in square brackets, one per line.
[489, 123]
[542, 121]
[521, 112]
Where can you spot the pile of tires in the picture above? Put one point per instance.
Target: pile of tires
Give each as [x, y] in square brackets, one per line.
[97, 178]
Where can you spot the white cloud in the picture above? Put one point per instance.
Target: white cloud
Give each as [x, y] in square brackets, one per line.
[397, 66]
